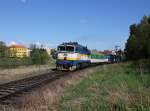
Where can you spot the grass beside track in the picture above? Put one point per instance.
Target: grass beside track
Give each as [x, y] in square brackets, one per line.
[117, 87]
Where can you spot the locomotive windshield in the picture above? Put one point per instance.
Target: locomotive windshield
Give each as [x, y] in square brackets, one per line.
[66, 48]
[70, 48]
[61, 48]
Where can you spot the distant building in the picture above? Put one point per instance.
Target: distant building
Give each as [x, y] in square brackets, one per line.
[94, 51]
[28, 52]
[48, 51]
[18, 51]
[108, 52]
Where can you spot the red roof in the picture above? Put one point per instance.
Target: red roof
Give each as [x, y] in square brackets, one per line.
[17, 46]
[106, 52]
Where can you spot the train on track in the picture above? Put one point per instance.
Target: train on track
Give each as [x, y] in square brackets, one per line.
[72, 56]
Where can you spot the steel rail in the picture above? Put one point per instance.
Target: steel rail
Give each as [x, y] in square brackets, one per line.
[8, 90]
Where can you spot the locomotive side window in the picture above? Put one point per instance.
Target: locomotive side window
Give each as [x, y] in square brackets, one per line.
[77, 49]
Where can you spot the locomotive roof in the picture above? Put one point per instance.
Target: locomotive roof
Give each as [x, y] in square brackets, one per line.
[72, 43]
[69, 43]
[81, 47]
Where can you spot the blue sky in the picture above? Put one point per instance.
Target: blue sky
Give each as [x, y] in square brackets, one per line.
[99, 24]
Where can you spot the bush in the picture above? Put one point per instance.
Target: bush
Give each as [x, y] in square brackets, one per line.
[14, 62]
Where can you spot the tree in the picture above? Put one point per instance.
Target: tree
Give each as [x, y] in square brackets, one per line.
[39, 56]
[35, 56]
[138, 43]
[130, 47]
[3, 49]
[44, 56]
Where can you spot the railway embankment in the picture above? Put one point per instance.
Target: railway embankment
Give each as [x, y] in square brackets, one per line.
[11, 74]
[117, 87]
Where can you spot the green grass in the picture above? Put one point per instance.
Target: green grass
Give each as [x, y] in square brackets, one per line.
[8, 63]
[118, 87]
[14, 62]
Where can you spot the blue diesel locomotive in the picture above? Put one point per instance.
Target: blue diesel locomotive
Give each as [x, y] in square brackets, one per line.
[72, 56]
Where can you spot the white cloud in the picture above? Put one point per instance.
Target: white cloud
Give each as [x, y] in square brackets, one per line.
[12, 43]
[38, 43]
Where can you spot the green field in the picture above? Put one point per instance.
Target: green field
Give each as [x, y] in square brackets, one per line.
[117, 87]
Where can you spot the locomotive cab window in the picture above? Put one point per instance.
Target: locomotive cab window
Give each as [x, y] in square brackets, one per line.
[70, 48]
[61, 48]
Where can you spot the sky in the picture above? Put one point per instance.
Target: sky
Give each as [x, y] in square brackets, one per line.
[98, 24]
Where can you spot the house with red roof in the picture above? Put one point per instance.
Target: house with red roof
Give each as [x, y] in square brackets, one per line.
[18, 51]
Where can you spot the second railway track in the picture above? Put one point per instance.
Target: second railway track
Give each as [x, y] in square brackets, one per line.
[8, 90]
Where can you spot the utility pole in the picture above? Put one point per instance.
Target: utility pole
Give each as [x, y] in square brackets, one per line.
[118, 53]
[117, 48]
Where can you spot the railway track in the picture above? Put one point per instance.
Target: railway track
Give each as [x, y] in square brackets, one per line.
[12, 88]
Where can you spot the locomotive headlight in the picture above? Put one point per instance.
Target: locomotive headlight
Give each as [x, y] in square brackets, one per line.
[65, 56]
